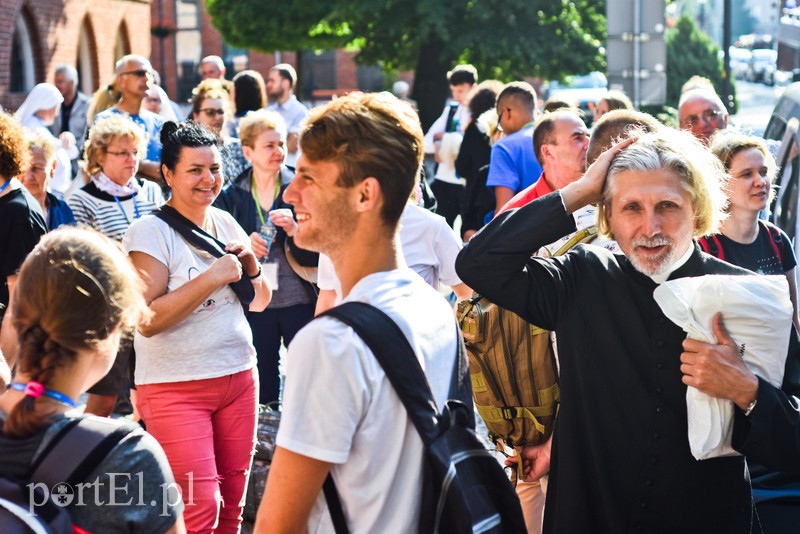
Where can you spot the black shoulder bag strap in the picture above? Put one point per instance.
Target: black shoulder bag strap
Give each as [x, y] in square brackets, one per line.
[398, 360]
[199, 238]
[76, 451]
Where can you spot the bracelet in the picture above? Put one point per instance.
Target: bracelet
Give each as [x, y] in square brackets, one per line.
[750, 408]
[255, 275]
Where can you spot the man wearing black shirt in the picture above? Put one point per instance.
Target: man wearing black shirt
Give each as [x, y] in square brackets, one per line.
[620, 451]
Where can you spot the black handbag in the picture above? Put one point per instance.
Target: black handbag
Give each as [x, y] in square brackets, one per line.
[201, 239]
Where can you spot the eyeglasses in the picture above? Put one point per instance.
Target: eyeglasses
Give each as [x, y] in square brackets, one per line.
[124, 154]
[211, 112]
[140, 73]
[709, 115]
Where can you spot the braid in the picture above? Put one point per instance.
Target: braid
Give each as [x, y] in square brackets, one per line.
[39, 358]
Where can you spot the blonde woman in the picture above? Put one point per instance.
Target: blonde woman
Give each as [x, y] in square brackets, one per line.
[112, 200]
[255, 199]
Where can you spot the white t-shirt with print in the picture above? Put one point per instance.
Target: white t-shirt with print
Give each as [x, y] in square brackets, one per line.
[339, 407]
[427, 244]
[215, 340]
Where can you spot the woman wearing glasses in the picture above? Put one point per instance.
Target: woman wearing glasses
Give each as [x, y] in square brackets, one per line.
[210, 109]
[109, 203]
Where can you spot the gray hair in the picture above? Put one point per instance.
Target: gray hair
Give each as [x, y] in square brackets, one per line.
[705, 94]
[701, 174]
[70, 72]
[216, 60]
[118, 66]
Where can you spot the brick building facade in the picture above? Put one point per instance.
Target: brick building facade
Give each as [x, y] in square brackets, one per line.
[36, 36]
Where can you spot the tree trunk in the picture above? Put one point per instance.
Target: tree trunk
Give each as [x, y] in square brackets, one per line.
[431, 89]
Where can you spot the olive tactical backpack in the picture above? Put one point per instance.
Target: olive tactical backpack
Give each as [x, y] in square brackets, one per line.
[513, 367]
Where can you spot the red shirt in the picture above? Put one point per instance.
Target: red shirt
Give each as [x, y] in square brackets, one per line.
[527, 195]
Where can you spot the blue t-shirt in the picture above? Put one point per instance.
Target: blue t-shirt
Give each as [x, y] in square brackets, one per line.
[513, 163]
[149, 121]
[59, 213]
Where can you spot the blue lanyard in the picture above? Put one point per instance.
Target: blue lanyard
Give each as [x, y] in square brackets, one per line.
[136, 213]
[5, 185]
[53, 394]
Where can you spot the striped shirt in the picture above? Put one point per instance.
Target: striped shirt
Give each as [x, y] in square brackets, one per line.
[111, 215]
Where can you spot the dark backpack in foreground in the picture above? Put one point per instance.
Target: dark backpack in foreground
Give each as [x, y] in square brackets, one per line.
[464, 487]
[67, 460]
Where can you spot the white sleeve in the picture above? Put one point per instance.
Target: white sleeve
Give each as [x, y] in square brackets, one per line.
[436, 128]
[326, 275]
[446, 247]
[326, 393]
[146, 235]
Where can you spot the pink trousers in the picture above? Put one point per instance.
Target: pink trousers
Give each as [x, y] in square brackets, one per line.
[207, 430]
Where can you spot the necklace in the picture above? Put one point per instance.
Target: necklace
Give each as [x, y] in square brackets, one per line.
[50, 393]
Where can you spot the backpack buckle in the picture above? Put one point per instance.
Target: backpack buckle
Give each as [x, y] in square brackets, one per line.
[508, 413]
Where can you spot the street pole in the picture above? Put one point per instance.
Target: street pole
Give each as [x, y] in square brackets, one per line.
[637, 53]
[726, 45]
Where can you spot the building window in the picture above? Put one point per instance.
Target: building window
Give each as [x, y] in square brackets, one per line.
[22, 65]
[318, 72]
[86, 59]
[188, 47]
[121, 43]
[236, 60]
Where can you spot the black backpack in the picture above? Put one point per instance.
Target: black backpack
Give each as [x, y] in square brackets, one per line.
[67, 460]
[464, 487]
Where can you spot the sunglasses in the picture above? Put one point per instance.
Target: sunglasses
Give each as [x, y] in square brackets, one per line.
[211, 112]
[140, 73]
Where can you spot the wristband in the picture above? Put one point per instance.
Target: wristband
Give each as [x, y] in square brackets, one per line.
[750, 408]
[258, 274]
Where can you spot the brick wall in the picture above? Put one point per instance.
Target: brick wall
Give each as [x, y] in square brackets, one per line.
[55, 30]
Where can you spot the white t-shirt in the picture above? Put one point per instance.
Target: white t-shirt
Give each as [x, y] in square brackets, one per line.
[339, 407]
[427, 243]
[215, 340]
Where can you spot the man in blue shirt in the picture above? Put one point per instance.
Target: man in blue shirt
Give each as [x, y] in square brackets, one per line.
[134, 76]
[513, 165]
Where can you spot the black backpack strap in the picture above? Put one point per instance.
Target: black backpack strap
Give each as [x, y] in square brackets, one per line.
[192, 233]
[334, 506]
[398, 360]
[395, 355]
[199, 238]
[77, 450]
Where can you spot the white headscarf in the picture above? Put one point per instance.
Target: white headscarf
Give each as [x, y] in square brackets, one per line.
[43, 96]
[167, 111]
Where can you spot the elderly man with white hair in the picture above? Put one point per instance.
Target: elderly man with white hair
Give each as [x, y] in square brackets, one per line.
[702, 112]
[621, 460]
[74, 110]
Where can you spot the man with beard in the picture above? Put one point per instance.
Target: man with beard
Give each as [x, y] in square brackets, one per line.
[280, 91]
[361, 159]
[620, 454]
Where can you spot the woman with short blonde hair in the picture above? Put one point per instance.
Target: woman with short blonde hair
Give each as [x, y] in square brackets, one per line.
[112, 200]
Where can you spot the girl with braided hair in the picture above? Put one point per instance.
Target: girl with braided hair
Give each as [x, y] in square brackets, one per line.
[76, 292]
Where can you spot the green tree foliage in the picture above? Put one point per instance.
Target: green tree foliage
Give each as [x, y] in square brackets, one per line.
[504, 39]
[690, 52]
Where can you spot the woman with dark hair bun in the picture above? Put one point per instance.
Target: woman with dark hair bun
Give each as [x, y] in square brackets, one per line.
[195, 362]
[76, 295]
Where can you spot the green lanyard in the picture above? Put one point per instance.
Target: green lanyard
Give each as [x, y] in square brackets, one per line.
[255, 197]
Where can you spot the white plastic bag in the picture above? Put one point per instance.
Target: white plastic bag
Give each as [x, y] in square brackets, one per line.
[758, 316]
